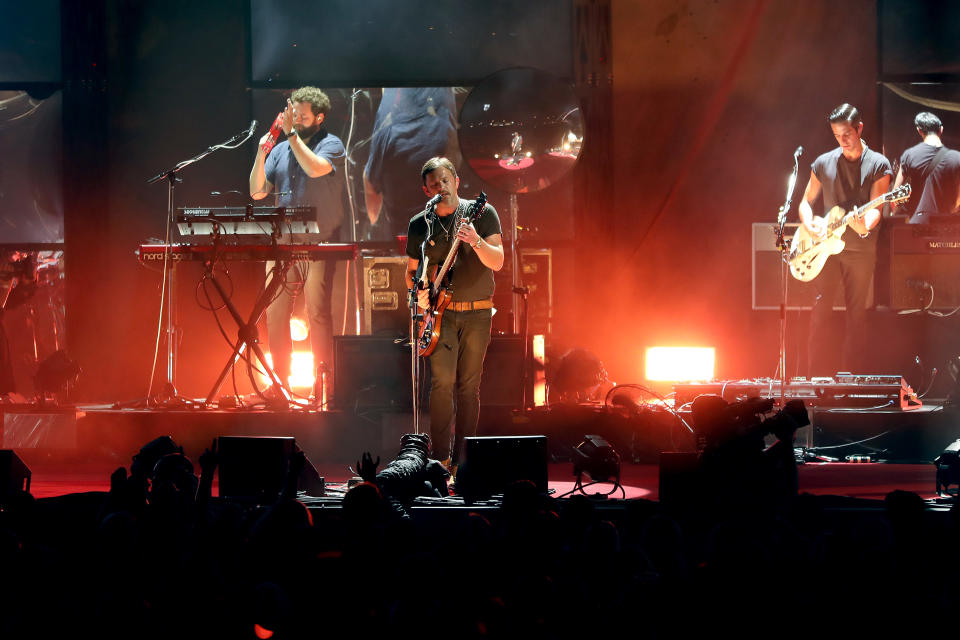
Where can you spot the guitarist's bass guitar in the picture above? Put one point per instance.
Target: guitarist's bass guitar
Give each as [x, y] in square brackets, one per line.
[808, 254]
[440, 294]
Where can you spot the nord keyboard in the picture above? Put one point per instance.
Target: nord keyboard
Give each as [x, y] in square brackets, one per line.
[202, 221]
[153, 253]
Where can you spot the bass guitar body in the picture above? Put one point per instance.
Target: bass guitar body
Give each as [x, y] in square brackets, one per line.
[430, 325]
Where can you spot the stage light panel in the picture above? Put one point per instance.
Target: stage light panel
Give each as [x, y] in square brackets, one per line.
[677, 364]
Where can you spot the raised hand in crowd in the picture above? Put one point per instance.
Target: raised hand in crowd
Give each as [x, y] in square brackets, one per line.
[367, 468]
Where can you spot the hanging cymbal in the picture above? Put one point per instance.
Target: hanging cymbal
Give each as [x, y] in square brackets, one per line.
[521, 129]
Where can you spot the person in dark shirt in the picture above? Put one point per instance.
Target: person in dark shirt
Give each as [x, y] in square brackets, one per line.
[413, 124]
[932, 170]
[457, 361]
[303, 170]
[849, 176]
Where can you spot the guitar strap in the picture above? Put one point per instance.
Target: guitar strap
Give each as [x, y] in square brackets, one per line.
[937, 159]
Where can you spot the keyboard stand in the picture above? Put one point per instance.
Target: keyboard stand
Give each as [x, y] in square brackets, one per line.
[247, 335]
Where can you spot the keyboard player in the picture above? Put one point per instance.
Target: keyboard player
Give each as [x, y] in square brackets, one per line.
[305, 168]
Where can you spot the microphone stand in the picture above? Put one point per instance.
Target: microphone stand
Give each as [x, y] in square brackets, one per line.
[784, 275]
[168, 396]
[415, 316]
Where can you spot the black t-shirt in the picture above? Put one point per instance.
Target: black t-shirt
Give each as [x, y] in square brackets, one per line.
[936, 195]
[847, 184]
[471, 279]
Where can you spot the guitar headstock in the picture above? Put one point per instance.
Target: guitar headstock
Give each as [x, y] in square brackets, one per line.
[478, 206]
[899, 194]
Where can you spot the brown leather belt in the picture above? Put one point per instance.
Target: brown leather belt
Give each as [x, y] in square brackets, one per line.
[471, 305]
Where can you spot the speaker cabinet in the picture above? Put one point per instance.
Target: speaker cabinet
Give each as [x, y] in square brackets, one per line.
[493, 462]
[255, 468]
[370, 372]
[925, 281]
[925, 266]
[374, 372]
[14, 474]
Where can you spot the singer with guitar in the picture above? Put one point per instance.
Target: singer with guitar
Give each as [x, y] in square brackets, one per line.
[456, 361]
[848, 176]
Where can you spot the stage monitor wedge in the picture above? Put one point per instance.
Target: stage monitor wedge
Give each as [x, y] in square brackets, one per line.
[494, 462]
[254, 468]
[14, 474]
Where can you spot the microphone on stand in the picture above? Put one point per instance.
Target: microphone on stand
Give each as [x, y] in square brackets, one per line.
[798, 152]
[433, 202]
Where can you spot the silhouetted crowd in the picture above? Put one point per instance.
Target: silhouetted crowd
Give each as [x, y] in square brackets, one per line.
[158, 557]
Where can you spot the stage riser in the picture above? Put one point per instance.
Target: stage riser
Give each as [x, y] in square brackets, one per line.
[325, 437]
[340, 437]
[896, 437]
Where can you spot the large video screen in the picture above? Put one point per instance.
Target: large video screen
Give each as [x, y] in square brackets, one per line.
[389, 133]
[31, 195]
[345, 43]
[919, 38]
[30, 41]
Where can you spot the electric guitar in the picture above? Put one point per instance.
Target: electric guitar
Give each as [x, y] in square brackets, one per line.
[808, 254]
[440, 294]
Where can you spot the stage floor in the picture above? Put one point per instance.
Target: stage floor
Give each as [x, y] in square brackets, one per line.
[72, 450]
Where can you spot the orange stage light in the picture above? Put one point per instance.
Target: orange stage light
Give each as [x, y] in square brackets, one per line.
[298, 329]
[302, 371]
[676, 364]
[539, 371]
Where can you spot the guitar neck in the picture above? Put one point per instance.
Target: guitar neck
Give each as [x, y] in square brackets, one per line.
[472, 214]
[842, 222]
[446, 264]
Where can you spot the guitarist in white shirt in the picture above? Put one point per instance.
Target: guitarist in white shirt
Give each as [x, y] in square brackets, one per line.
[848, 176]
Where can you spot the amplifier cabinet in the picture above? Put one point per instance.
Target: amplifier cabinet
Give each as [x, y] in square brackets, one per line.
[925, 266]
[766, 271]
[374, 372]
[385, 310]
[766, 268]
